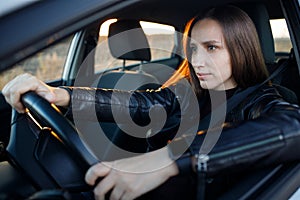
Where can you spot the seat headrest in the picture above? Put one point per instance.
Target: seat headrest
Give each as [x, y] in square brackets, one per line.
[128, 41]
[259, 15]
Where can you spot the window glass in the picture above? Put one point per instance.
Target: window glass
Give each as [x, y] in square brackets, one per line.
[47, 64]
[161, 40]
[296, 195]
[281, 35]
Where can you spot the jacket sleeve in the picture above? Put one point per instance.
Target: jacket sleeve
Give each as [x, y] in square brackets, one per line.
[166, 112]
[269, 136]
[270, 139]
[108, 104]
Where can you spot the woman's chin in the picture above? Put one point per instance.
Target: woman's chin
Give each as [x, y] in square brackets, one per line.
[204, 85]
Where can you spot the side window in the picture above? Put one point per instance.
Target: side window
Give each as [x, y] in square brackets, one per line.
[161, 40]
[281, 36]
[47, 64]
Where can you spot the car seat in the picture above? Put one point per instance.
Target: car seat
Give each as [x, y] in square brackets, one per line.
[260, 17]
[127, 41]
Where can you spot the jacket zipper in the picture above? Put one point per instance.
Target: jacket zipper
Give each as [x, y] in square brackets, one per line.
[202, 160]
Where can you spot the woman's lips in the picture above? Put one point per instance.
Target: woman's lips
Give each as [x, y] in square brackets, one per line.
[203, 76]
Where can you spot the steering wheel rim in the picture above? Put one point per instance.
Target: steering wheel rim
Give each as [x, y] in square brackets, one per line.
[41, 109]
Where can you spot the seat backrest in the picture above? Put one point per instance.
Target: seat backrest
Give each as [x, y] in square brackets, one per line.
[290, 76]
[128, 41]
[260, 17]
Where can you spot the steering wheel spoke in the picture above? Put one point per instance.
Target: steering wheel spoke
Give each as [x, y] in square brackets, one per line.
[42, 110]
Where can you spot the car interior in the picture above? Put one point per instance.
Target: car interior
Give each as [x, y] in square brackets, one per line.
[260, 16]
[124, 36]
[127, 42]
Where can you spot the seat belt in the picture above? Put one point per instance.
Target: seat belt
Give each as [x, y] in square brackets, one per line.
[211, 139]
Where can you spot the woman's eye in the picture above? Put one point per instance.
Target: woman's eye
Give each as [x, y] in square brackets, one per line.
[193, 49]
[211, 47]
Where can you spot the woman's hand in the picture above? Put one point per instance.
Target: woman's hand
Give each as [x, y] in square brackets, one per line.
[131, 177]
[13, 90]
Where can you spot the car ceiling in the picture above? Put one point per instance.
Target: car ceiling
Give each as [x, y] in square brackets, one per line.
[177, 12]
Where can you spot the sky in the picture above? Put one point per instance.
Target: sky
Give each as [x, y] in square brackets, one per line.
[279, 28]
[148, 27]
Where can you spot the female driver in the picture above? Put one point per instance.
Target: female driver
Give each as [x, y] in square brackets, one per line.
[225, 56]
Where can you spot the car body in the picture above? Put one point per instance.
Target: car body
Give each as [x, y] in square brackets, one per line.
[31, 29]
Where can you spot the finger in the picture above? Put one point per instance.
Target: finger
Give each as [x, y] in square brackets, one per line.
[116, 193]
[14, 101]
[6, 87]
[128, 196]
[22, 84]
[96, 171]
[18, 106]
[14, 81]
[105, 186]
[7, 91]
[38, 86]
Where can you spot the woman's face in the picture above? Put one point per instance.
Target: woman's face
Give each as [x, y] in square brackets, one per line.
[210, 57]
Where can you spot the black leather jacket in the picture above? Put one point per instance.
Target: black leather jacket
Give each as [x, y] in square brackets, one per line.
[262, 113]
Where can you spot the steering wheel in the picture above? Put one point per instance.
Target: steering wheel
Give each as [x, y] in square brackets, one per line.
[43, 111]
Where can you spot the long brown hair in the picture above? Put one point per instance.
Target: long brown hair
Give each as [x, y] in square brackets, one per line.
[241, 39]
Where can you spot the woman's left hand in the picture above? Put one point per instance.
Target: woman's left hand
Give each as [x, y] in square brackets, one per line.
[131, 177]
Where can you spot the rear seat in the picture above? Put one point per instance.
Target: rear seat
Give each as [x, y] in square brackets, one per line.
[285, 86]
[290, 76]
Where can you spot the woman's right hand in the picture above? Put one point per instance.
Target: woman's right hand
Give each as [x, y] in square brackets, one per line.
[13, 90]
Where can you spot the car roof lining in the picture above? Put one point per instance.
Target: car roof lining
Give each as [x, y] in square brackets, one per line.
[178, 15]
[147, 10]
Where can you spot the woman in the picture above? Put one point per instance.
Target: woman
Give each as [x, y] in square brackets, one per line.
[225, 55]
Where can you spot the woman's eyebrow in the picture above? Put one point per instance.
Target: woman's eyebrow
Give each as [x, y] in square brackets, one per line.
[211, 42]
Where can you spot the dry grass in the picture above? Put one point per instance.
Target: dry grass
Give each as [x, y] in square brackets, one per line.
[47, 65]
[283, 44]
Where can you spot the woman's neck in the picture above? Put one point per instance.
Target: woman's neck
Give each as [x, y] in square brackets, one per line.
[229, 92]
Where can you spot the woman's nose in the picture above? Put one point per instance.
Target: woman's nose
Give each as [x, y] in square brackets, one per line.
[198, 59]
